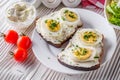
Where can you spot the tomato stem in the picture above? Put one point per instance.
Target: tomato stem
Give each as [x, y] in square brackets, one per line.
[2, 34]
[22, 34]
[11, 53]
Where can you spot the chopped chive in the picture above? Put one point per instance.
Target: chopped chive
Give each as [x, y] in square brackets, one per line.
[71, 12]
[77, 46]
[72, 50]
[96, 57]
[84, 52]
[45, 21]
[63, 18]
[86, 37]
[72, 16]
[66, 11]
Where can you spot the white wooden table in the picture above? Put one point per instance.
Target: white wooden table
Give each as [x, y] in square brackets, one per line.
[32, 69]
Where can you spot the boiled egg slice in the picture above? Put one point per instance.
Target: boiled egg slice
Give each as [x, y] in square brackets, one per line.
[70, 17]
[51, 26]
[90, 37]
[81, 53]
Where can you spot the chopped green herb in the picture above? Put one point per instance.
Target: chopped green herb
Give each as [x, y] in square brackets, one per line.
[66, 11]
[46, 21]
[90, 32]
[71, 12]
[86, 37]
[71, 15]
[96, 57]
[84, 51]
[72, 50]
[63, 18]
[77, 46]
[53, 24]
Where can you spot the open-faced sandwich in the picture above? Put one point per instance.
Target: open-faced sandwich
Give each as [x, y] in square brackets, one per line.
[58, 27]
[84, 51]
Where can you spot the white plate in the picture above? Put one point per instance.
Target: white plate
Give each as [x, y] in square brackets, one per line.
[46, 53]
[107, 15]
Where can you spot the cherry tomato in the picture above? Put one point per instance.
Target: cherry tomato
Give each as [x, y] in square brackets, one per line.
[20, 54]
[11, 36]
[24, 42]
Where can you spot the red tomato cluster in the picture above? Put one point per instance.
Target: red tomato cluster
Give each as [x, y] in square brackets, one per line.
[23, 43]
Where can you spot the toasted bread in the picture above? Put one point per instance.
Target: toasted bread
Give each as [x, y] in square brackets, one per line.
[63, 29]
[82, 68]
[65, 59]
[59, 45]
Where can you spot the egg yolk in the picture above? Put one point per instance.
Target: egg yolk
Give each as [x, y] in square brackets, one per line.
[82, 53]
[52, 25]
[70, 16]
[89, 37]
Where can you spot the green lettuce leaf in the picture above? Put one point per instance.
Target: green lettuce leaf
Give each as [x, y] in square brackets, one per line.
[114, 13]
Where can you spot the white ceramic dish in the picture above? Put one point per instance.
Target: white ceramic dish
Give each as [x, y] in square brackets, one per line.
[107, 16]
[24, 24]
[46, 53]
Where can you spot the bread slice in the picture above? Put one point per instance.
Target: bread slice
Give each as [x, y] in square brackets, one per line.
[76, 67]
[67, 39]
[67, 28]
[65, 59]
